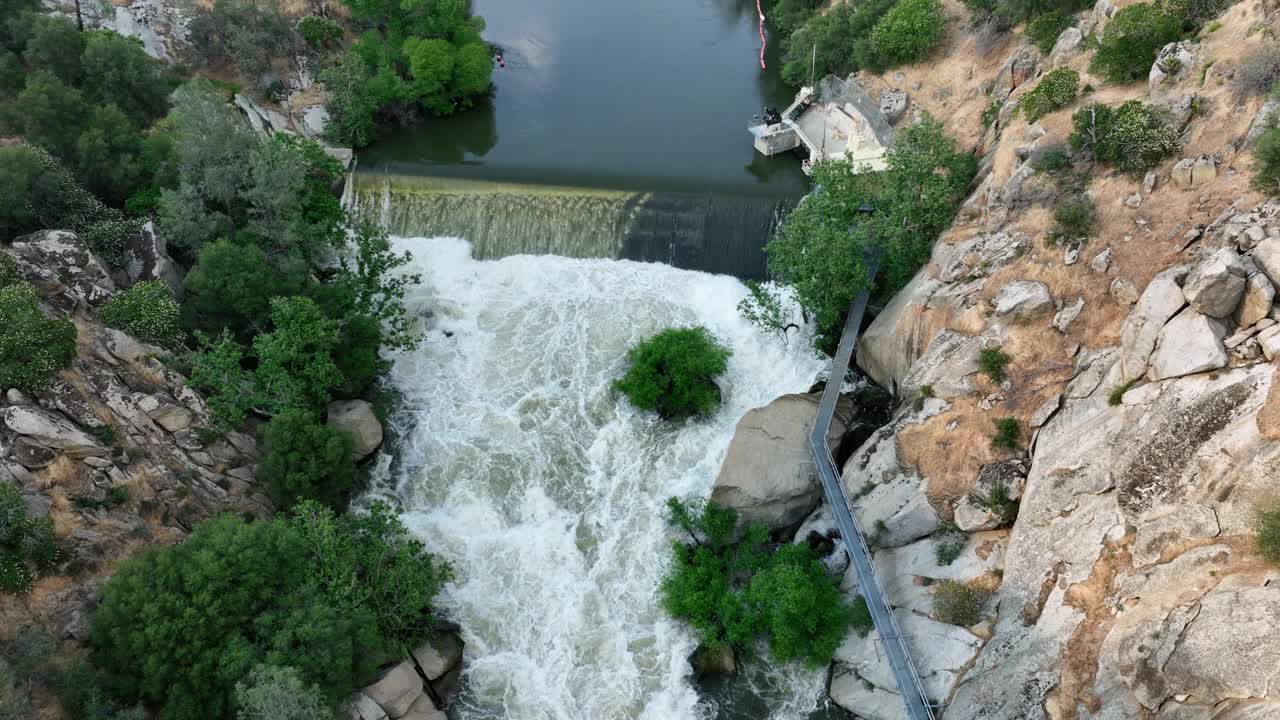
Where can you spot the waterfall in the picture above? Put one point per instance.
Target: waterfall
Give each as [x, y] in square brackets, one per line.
[713, 232]
[517, 464]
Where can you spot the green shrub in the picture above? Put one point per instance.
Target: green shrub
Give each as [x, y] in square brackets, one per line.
[27, 545]
[946, 552]
[991, 113]
[1043, 30]
[307, 460]
[763, 308]
[957, 603]
[179, 626]
[1008, 432]
[1266, 520]
[32, 347]
[85, 696]
[1055, 90]
[992, 362]
[1259, 71]
[1131, 40]
[999, 502]
[909, 31]
[837, 41]
[109, 240]
[1051, 161]
[1132, 136]
[320, 33]
[146, 311]
[860, 617]
[272, 692]
[1266, 162]
[1117, 394]
[1073, 219]
[230, 288]
[732, 593]
[673, 373]
[9, 272]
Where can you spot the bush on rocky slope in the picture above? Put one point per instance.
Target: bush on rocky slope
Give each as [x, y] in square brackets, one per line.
[908, 32]
[1131, 39]
[1133, 136]
[1055, 90]
[27, 546]
[146, 311]
[1259, 71]
[1266, 162]
[307, 460]
[32, 347]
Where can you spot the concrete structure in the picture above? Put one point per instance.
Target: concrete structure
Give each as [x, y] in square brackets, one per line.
[835, 121]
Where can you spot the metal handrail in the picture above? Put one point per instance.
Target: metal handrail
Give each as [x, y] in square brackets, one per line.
[914, 699]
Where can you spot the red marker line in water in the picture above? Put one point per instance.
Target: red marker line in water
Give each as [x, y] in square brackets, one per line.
[763, 42]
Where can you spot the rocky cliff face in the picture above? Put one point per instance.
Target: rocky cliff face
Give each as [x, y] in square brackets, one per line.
[1116, 571]
[113, 449]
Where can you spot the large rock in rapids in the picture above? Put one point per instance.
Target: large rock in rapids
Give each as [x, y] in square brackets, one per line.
[767, 475]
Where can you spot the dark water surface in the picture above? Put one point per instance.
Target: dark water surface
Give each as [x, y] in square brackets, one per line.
[650, 97]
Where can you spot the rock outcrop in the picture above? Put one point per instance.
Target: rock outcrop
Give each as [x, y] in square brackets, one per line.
[767, 474]
[418, 688]
[357, 418]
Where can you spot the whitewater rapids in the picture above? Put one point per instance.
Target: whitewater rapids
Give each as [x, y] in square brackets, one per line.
[517, 464]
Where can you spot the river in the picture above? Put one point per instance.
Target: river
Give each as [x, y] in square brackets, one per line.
[617, 135]
[618, 129]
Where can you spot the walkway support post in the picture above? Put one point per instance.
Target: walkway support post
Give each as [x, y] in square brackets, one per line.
[914, 700]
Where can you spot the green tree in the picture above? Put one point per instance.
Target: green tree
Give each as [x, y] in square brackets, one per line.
[732, 592]
[822, 246]
[47, 113]
[909, 31]
[27, 546]
[118, 71]
[295, 360]
[109, 154]
[307, 460]
[32, 347]
[352, 109]
[230, 288]
[673, 373]
[217, 370]
[1044, 29]
[179, 626]
[37, 192]
[1130, 41]
[53, 45]
[146, 311]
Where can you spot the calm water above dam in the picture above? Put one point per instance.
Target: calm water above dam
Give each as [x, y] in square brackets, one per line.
[623, 121]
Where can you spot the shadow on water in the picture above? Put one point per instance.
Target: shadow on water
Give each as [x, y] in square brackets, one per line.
[740, 697]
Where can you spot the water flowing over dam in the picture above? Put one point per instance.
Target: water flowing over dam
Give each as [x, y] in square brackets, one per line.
[714, 232]
[519, 465]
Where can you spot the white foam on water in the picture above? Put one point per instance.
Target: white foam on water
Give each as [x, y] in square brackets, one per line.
[546, 493]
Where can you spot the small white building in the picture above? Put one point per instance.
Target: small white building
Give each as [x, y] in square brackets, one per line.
[836, 121]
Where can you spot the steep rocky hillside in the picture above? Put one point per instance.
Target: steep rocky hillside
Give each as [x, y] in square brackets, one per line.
[1140, 372]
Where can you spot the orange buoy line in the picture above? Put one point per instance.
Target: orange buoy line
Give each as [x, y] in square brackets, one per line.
[763, 42]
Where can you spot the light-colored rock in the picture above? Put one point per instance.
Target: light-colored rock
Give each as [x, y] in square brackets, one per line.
[859, 696]
[1072, 255]
[397, 691]
[1123, 290]
[1266, 255]
[1066, 47]
[357, 418]
[1269, 341]
[971, 515]
[1179, 524]
[1101, 262]
[62, 269]
[314, 120]
[1188, 344]
[893, 502]
[1067, 314]
[1160, 301]
[767, 475]
[1133, 201]
[1267, 117]
[1172, 60]
[1216, 283]
[1259, 294]
[948, 366]
[1190, 173]
[439, 654]
[361, 707]
[52, 431]
[893, 104]
[1149, 182]
[1023, 300]
[424, 709]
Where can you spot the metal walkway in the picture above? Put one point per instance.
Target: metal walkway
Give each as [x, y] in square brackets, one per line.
[904, 671]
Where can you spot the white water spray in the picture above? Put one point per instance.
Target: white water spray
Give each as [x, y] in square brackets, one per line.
[519, 466]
